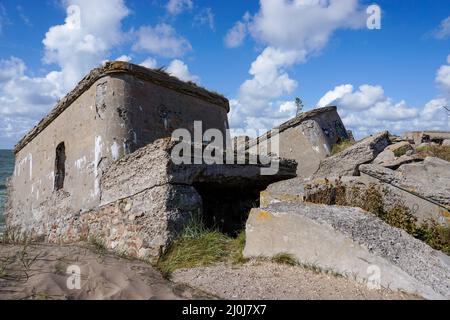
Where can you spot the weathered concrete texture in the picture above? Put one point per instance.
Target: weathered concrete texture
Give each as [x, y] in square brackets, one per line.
[115, 110]
[307, 139]
[388, 159]
[118, 67]
[429, 179]
[384, 158]
[349, 241]
[145, 201]
[140, 226]
[426, 136]
[347, 162]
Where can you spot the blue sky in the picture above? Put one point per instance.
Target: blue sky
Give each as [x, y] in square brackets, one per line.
[260, 54]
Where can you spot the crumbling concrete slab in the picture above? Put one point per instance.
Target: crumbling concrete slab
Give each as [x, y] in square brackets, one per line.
[429, 179]
[349, 241]
[385, 157]
[347, 162]
[400, 147]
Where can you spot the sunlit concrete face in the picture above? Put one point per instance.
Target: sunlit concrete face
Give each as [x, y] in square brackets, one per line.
[307, 139]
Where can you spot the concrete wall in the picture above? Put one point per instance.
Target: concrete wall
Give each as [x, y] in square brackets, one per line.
[154, 112]
[92, 136]
[307, 139]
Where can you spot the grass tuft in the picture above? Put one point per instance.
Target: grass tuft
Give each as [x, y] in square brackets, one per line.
[289, 259]
[199, 246]
[341, 146]
[98, 244]
[285, 258]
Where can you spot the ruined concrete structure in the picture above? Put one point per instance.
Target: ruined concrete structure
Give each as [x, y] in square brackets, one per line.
[99, 164]
[307, 138]
[112, 112]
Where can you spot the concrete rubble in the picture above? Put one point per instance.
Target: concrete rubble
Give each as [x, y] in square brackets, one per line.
[347, 163]
[429, 179]
[418, 137]
[309, 218]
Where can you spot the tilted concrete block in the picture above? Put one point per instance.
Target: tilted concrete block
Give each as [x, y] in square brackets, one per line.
[347, 162]
[351, 242]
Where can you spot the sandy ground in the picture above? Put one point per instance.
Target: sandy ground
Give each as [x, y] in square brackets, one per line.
[40, 272]
[271, 281]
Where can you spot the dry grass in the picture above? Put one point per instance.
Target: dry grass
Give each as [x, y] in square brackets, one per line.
[397, 215]
[17, 267]
[199, 246]
[289, 259]
[341, 146]
[285, 258]
[442, 152]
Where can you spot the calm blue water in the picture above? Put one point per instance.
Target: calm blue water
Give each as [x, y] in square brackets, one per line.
[6, 170]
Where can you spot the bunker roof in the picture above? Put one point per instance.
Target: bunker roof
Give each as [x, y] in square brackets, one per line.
[156, 76]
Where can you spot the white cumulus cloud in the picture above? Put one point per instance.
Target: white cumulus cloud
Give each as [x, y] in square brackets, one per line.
[90, 30]
[205, 17]
[443, 31]
[176, 7]
[149, 63]
[237, 34]
[443, 77]
[367, 110]
[161, 40]
[124, 58]
[291, 31]
[304, 24]
[23, 99]
[180, 70]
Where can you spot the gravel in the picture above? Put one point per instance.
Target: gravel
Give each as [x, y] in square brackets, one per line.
[263, 280]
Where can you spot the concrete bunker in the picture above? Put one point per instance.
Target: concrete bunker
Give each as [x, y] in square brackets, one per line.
[117, 181]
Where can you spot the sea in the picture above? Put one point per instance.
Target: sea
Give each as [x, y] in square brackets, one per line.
[6, 170]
